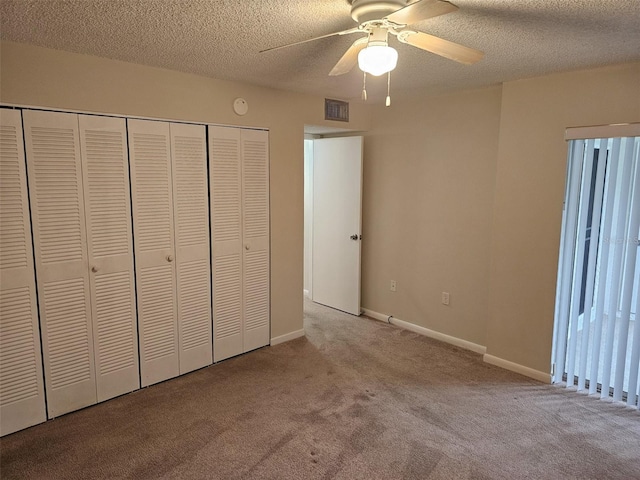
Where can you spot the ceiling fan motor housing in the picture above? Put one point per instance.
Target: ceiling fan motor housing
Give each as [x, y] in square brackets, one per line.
[378, 36]
[367, 10]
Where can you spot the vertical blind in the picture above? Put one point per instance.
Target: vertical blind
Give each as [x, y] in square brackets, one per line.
[597, 338]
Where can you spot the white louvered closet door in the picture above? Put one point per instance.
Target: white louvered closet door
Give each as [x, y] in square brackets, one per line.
[57, 207]
[191, 213]
[151, 190]
[21, 385]
[255, 229]
[226, 239]
[103, 142]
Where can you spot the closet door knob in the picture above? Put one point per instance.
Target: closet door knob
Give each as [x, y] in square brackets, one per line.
[169, 258]
[94, 269]
[246, 247]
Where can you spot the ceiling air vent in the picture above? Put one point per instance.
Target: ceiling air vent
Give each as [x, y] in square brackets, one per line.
[336, 110]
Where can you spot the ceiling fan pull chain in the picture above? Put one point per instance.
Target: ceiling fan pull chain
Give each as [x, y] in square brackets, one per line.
[364, 87]
[388, 100]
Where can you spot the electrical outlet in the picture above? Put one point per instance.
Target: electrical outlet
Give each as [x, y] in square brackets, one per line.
[393, 286]
[445, 298]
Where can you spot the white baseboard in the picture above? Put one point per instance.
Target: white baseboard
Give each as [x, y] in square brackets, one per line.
[458, 342]
[516, 367]
[287, 336]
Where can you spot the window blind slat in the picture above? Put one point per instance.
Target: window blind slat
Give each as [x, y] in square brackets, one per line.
[621, 204]
[591, 263]
[565, 262]
[574, 309]
[628, 281]
[635, 359]
[604, 246]
[634, 373]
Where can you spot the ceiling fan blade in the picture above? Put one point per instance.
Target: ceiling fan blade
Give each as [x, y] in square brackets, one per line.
[440, 46]
[343, 32]
[350, 57]
[421, 10]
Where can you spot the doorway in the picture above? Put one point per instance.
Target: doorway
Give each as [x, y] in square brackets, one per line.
[332, 219]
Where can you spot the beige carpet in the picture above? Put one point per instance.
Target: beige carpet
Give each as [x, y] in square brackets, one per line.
[355, 399]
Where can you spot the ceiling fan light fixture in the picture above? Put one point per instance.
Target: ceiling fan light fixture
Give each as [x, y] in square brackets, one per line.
[377, 60]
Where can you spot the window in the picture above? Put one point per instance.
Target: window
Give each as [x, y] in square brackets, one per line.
[596, 338]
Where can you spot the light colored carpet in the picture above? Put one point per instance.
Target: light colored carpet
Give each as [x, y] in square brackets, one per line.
[355, 399]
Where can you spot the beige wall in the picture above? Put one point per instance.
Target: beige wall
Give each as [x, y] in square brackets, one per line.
[49, 78]
[529, 194]
[463, 193]
[429, 177]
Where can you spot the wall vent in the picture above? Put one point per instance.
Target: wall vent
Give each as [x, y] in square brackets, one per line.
[336, 110]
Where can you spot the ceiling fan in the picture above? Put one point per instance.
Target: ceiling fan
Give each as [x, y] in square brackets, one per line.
[378, 19]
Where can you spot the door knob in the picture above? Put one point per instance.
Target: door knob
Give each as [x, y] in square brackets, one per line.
[355, 236]
[169, 258]
[94, 269]
[246, 247]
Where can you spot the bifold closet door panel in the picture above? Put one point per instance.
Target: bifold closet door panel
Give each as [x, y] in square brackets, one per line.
[255, 228]
[103, 143]
[226, 238]
[153, 233]
[59, 234]
[191, 213]
[21, 384]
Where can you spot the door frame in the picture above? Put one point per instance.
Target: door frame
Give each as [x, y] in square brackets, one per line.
[345, 304]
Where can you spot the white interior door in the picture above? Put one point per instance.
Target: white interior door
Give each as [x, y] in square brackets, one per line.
[105, 168]
[152, 198]
[191, 213]
[337, 222]
[59, 232]
[21, 383]
[226, 238]
[255, 206]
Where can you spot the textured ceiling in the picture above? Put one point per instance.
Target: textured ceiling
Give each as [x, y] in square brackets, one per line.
[222, 39]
